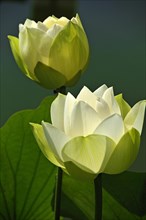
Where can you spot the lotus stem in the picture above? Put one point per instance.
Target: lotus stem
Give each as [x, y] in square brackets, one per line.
[58, 194]
[98, 197]
[62, 90]
[57, 205]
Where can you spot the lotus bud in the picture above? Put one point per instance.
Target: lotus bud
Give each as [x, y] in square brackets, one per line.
[53, 53]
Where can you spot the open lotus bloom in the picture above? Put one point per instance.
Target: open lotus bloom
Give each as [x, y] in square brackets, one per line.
[53, 53]
[91, 134]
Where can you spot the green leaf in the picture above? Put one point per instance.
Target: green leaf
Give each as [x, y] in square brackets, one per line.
[48, 77]
[128, 189]
[124, 197]
[27, 177]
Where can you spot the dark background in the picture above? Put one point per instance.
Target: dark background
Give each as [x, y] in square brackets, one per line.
[116, 33]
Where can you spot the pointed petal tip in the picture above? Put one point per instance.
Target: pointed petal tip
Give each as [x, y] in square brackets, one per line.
[43, 122]
[31, 123]
[135, 117]
[100, 90]
[9, 37]
[70, 95]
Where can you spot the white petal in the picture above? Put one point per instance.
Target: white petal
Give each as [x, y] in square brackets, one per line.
[62, 21]
[135, 117]
[21, 27]
[109, 98]
[48, 22]
[87, 96]
[36, 44]
[84, 120]
[54, 30]
[30, 23]
[41, 26]
[44, 146]
[87, 153]
[69, 104]
[57, 112]
[100, 91]
[56, 138]
[43, 48]
[102, 109]
[112, 127]
[53, 20]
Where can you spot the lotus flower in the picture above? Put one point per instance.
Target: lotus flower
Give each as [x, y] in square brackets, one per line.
[91, 134]
[53, 53]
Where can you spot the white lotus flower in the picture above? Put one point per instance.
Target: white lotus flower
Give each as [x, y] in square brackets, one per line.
[53, 53]
[91, 134]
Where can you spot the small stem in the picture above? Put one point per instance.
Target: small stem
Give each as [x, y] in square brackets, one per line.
[57, 205]
[58, 194]
[98, 197]
[62, 90]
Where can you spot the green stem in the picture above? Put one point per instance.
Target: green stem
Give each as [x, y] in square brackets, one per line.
[98, 197]
[62, 90]
[58, 194]
[57, 205]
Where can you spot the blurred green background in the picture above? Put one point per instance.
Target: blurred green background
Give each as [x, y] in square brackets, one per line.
[116, 33]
